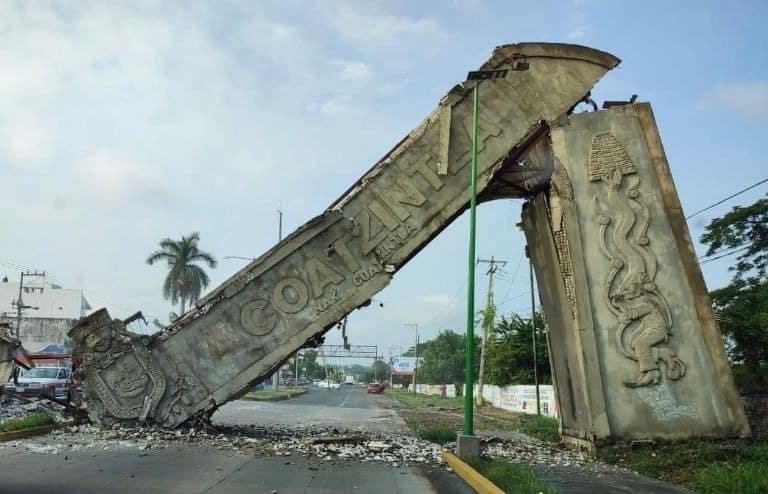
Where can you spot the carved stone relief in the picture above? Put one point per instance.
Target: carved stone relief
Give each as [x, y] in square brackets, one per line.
[629, 291]
[122, 379]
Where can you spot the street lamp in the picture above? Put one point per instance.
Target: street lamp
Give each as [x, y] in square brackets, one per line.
[467, 444]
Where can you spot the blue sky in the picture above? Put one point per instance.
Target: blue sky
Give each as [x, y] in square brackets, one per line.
[125, 122]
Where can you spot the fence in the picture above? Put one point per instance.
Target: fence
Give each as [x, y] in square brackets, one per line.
[516, 398]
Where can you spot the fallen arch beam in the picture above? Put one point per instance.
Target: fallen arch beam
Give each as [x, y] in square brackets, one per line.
[298, 290]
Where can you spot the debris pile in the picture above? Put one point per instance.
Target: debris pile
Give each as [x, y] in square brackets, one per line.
[15, 407]
[328, 444]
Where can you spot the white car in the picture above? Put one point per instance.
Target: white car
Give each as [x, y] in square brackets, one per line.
[329, 384]
[40, 380]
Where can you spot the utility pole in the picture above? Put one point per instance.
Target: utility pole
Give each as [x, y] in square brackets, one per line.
[416, 362]
[533, 333]
[296, 377]
[20, 302]
[487, 325]
[276, 375]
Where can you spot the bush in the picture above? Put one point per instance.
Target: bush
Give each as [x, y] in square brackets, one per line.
[439, 434]
[511, 477]
[37, 419]
[744, 478]
[540, 427]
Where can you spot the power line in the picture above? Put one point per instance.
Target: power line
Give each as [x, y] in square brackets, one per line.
[514, 277]
[726, 199]
[726, 254]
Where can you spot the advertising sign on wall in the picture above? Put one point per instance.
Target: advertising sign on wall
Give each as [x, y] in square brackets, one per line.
[402, 366]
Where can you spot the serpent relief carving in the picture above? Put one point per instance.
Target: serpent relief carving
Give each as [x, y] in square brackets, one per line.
[629, 290]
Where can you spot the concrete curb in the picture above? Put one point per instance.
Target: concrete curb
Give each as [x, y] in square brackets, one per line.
[277, 398]
[35, 431]
[471, 476]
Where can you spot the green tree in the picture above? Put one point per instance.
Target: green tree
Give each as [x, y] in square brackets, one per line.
[509, 358]
[743, 230]
[443, 358]
[185, 280]
[742, 311]
[742, 306]
[378, 371]
[309, 367]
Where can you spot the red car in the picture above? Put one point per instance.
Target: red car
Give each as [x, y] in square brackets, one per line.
[374, 388]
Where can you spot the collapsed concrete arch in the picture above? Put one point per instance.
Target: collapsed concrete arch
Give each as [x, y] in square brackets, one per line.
[635, 348]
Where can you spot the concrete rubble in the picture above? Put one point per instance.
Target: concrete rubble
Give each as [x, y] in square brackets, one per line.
[322, 443]
[14, 407]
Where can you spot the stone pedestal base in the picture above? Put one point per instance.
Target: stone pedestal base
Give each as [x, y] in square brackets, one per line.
[467, 446]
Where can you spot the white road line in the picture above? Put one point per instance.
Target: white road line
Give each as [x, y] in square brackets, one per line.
[345, 400]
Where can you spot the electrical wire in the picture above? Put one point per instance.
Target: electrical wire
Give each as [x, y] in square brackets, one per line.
[726, 199]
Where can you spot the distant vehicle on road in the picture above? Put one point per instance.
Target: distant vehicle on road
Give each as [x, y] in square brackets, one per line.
[374, 388]
[349, 380]
[329, 385]
[42, 380]
[316, 382]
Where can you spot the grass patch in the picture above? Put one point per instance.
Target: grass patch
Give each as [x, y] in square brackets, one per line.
[744, 478]
[37, 419]
[273, 394]
[423, 413]
[706, 466]
[511, 477]
[540, 427]
[417, 400]
[439, 434]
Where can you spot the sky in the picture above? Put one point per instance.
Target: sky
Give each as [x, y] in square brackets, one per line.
[122, 123]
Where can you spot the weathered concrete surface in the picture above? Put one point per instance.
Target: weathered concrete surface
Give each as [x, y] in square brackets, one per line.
[36, 333]
[636, 351]
[337, 261]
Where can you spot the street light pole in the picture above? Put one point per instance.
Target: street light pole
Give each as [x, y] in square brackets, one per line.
[416, 351]
[533, 332]
[276, 375]
[468, 445]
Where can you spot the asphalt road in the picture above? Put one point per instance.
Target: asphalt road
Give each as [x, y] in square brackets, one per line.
[191, 468]
[348, 407]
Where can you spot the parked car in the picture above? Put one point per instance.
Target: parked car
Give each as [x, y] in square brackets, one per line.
[42, 380]
[374, 388]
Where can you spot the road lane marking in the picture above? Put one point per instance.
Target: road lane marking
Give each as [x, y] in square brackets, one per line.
[345, 400]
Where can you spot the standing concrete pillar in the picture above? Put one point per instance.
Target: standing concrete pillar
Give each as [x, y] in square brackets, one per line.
[636, 350]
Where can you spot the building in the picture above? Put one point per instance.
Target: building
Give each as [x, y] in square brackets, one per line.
[53, 311]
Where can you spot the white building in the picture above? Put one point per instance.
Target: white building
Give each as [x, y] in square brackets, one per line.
[54, 311]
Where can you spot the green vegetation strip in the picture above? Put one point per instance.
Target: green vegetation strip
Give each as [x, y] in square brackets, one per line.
[439, 434]
[511, 477]
[539, 427]
[274, 394]
[708, 467]
[417, 400]
[30, 421]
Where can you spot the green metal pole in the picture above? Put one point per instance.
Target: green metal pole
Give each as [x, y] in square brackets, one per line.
[470, 338]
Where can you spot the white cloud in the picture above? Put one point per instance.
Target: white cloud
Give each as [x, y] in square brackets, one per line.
[382, 29]
[25, 142]
[333, 106]
[749, 100]
[114, 177]
[442, 300]
[352, 71]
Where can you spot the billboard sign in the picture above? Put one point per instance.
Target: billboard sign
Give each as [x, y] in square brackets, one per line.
[402, 366]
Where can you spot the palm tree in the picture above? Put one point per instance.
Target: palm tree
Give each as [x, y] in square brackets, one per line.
[185, 280]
